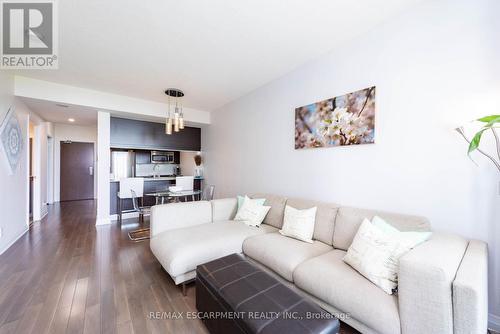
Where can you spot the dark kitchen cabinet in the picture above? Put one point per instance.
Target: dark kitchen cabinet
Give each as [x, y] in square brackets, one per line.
[150, 186]
[197, 184]
[155, 186]
[127, 133]
[113, 204]
[142, 157]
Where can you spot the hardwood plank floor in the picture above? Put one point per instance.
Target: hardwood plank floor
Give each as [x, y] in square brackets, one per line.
[68, 276]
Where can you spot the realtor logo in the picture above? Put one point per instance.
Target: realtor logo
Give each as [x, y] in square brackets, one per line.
[29, 34]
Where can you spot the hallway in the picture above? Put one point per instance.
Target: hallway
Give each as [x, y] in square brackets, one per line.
[68, 276]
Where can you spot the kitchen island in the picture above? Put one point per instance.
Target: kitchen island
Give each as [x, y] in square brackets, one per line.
[151, 185]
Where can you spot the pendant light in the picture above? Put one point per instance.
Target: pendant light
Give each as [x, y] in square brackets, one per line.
[175, 121]
[168, 121]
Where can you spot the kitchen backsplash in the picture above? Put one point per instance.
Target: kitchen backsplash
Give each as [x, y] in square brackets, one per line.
[161, 169]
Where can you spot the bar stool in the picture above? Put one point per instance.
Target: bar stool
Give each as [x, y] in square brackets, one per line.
[143, 233]
[128, 185]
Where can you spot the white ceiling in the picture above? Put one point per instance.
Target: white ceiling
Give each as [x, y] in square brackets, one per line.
[216, 51]
[52, 112]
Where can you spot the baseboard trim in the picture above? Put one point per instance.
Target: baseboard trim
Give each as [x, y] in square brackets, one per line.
[103, 221]
[126, 215]
[43, 215]
[14, 241]
[494, 322]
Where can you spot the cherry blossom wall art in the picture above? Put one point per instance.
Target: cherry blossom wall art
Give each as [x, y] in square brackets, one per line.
[343, 120]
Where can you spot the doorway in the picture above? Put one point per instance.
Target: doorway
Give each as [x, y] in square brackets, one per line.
[77, 171]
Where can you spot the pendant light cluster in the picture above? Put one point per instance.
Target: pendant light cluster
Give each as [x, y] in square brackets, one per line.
[175, 121]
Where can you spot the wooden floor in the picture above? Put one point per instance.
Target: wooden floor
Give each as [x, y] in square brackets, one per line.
[68, 276]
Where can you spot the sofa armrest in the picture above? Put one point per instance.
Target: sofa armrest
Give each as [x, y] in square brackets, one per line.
[224, 209]
[178, 215]
[470, 291]
[425, 277]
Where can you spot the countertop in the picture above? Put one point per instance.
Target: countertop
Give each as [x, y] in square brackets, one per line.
[161, 178]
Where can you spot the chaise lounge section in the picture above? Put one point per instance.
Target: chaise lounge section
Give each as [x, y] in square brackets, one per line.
[185, 235]
[442, 282]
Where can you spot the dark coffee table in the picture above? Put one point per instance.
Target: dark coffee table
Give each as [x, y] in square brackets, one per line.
[234, 296]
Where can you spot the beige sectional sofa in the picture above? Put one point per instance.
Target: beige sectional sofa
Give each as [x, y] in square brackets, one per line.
[442, 283]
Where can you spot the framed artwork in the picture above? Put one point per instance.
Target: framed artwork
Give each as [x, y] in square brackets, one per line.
[343, 120]
[12, 140]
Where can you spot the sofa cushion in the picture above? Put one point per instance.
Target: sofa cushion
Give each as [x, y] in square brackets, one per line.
[180, 251]
[275, 215]
[282, 254]
[223, 209]
[325, 217]
[329, 279]
[349, 219]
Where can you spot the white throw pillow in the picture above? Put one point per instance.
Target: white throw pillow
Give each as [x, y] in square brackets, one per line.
[410, 239]
[299, 224]
[251, 212]
[375, 253]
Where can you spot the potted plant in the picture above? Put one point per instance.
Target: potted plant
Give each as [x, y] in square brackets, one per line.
[490, 123]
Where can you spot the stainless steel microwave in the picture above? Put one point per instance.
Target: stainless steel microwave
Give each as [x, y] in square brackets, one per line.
[159, 157]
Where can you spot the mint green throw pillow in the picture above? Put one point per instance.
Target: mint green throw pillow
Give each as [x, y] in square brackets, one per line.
[259, 201]
[410, 239]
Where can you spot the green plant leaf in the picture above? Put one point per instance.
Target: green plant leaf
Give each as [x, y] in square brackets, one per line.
[492, 122]
[474, 143]
[489, 119]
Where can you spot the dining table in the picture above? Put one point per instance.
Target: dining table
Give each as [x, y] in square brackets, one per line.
[175, 195]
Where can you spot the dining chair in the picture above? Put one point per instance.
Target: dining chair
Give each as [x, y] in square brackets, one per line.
[208, 193]
[127, 185]
[185, 182]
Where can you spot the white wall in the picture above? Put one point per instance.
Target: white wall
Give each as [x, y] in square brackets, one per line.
[120, 104]
[435, 67]
[39, 163]
[103, 167]
[13, 188]
[187, 164]
[63, 132]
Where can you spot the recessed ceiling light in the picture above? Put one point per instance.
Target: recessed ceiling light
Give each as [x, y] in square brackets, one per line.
[62, 105]
[71, 120]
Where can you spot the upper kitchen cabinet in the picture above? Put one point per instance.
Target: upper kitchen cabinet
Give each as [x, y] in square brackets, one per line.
[127, 133]
[142, 157]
